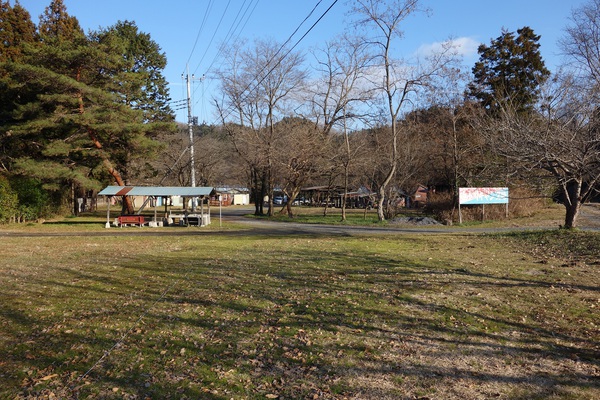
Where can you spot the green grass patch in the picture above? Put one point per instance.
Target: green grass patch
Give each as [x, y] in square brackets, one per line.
[223, 316]
[315, 215]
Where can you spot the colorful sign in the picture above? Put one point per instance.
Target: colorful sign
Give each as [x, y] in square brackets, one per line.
[483, 195]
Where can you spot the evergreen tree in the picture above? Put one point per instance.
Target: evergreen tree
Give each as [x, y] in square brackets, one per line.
[16, 32]
[511, 70]
[57, 26]
[16, 29]
[140, 84]
[76, 122]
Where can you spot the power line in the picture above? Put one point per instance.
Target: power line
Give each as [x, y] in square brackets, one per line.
[243, 15]
[230, 33]
[214, 33]
[204, 19]
[231, 36]
[280, 60]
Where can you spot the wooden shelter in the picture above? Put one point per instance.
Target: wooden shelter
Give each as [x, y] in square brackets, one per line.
[153, 193]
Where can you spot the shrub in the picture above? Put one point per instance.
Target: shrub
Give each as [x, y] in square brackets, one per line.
[8, 201]
[33, 200]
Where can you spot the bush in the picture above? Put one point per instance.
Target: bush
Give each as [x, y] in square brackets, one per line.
[33, 199]
[22, 199]
[8, 201]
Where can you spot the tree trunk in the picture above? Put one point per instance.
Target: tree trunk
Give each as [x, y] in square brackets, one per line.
[74, 199]
[571, 215]
[291, 197]
[572, 203]
[326, 207]
[380, 211]
[381, 191]
[254, 189]
[127, 204]
[345, 195]
[259, 191]
[346, 168]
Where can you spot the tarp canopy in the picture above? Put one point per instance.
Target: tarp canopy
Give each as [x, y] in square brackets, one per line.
[157, 191]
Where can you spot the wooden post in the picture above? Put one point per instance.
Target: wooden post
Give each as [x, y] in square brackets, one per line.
[201, 222]
[155, 207]
[109, 199]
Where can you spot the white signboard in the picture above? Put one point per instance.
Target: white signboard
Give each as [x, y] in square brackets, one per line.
[483, 196]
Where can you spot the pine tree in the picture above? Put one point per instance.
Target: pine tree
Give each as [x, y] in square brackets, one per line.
[141, 83]
[16, 32]
[73, 125]
[57, 26]
[511, 70]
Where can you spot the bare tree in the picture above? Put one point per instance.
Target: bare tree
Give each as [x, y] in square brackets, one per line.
[301, 151]
[398, 80]
[213, 158]
[455, 147]
[258, 83]
[338, 94]
[561, 138]
[581, 42]
[411, 161]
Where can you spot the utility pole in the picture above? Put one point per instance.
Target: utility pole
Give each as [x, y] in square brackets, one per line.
[191, 124]
[191, 132]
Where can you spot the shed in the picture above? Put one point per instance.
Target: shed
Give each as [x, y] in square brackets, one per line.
[230, 196]
[155, 192]
[420, 196]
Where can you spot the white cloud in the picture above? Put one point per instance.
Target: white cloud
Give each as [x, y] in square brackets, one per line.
[464, 46]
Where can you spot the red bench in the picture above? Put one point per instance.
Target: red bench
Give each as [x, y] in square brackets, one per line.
[131, 220]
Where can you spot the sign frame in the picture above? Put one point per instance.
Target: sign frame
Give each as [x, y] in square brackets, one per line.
[482, 196]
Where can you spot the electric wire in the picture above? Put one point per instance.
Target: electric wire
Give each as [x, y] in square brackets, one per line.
[247, 19]
[234, 31]
[215, 32]
[204, 19]
[231, 32]
[248, 88]
[232, 35]
[290, 37]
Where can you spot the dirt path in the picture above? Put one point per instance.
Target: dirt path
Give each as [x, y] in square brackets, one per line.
[590, 216]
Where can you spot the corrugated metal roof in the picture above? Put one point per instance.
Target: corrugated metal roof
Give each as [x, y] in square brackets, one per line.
[158, 191]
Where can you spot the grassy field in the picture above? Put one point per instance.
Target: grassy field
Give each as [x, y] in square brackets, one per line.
[227, 315]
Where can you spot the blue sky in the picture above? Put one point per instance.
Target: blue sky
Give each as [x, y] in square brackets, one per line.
[176, 26]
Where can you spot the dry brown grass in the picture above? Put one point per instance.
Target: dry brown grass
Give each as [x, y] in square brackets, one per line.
[522, 204]
[228, 315]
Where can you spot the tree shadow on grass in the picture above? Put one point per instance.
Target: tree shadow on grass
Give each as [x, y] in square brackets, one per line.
[303, 324]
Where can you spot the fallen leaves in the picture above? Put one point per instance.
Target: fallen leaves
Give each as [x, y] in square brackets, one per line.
[353, 322]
